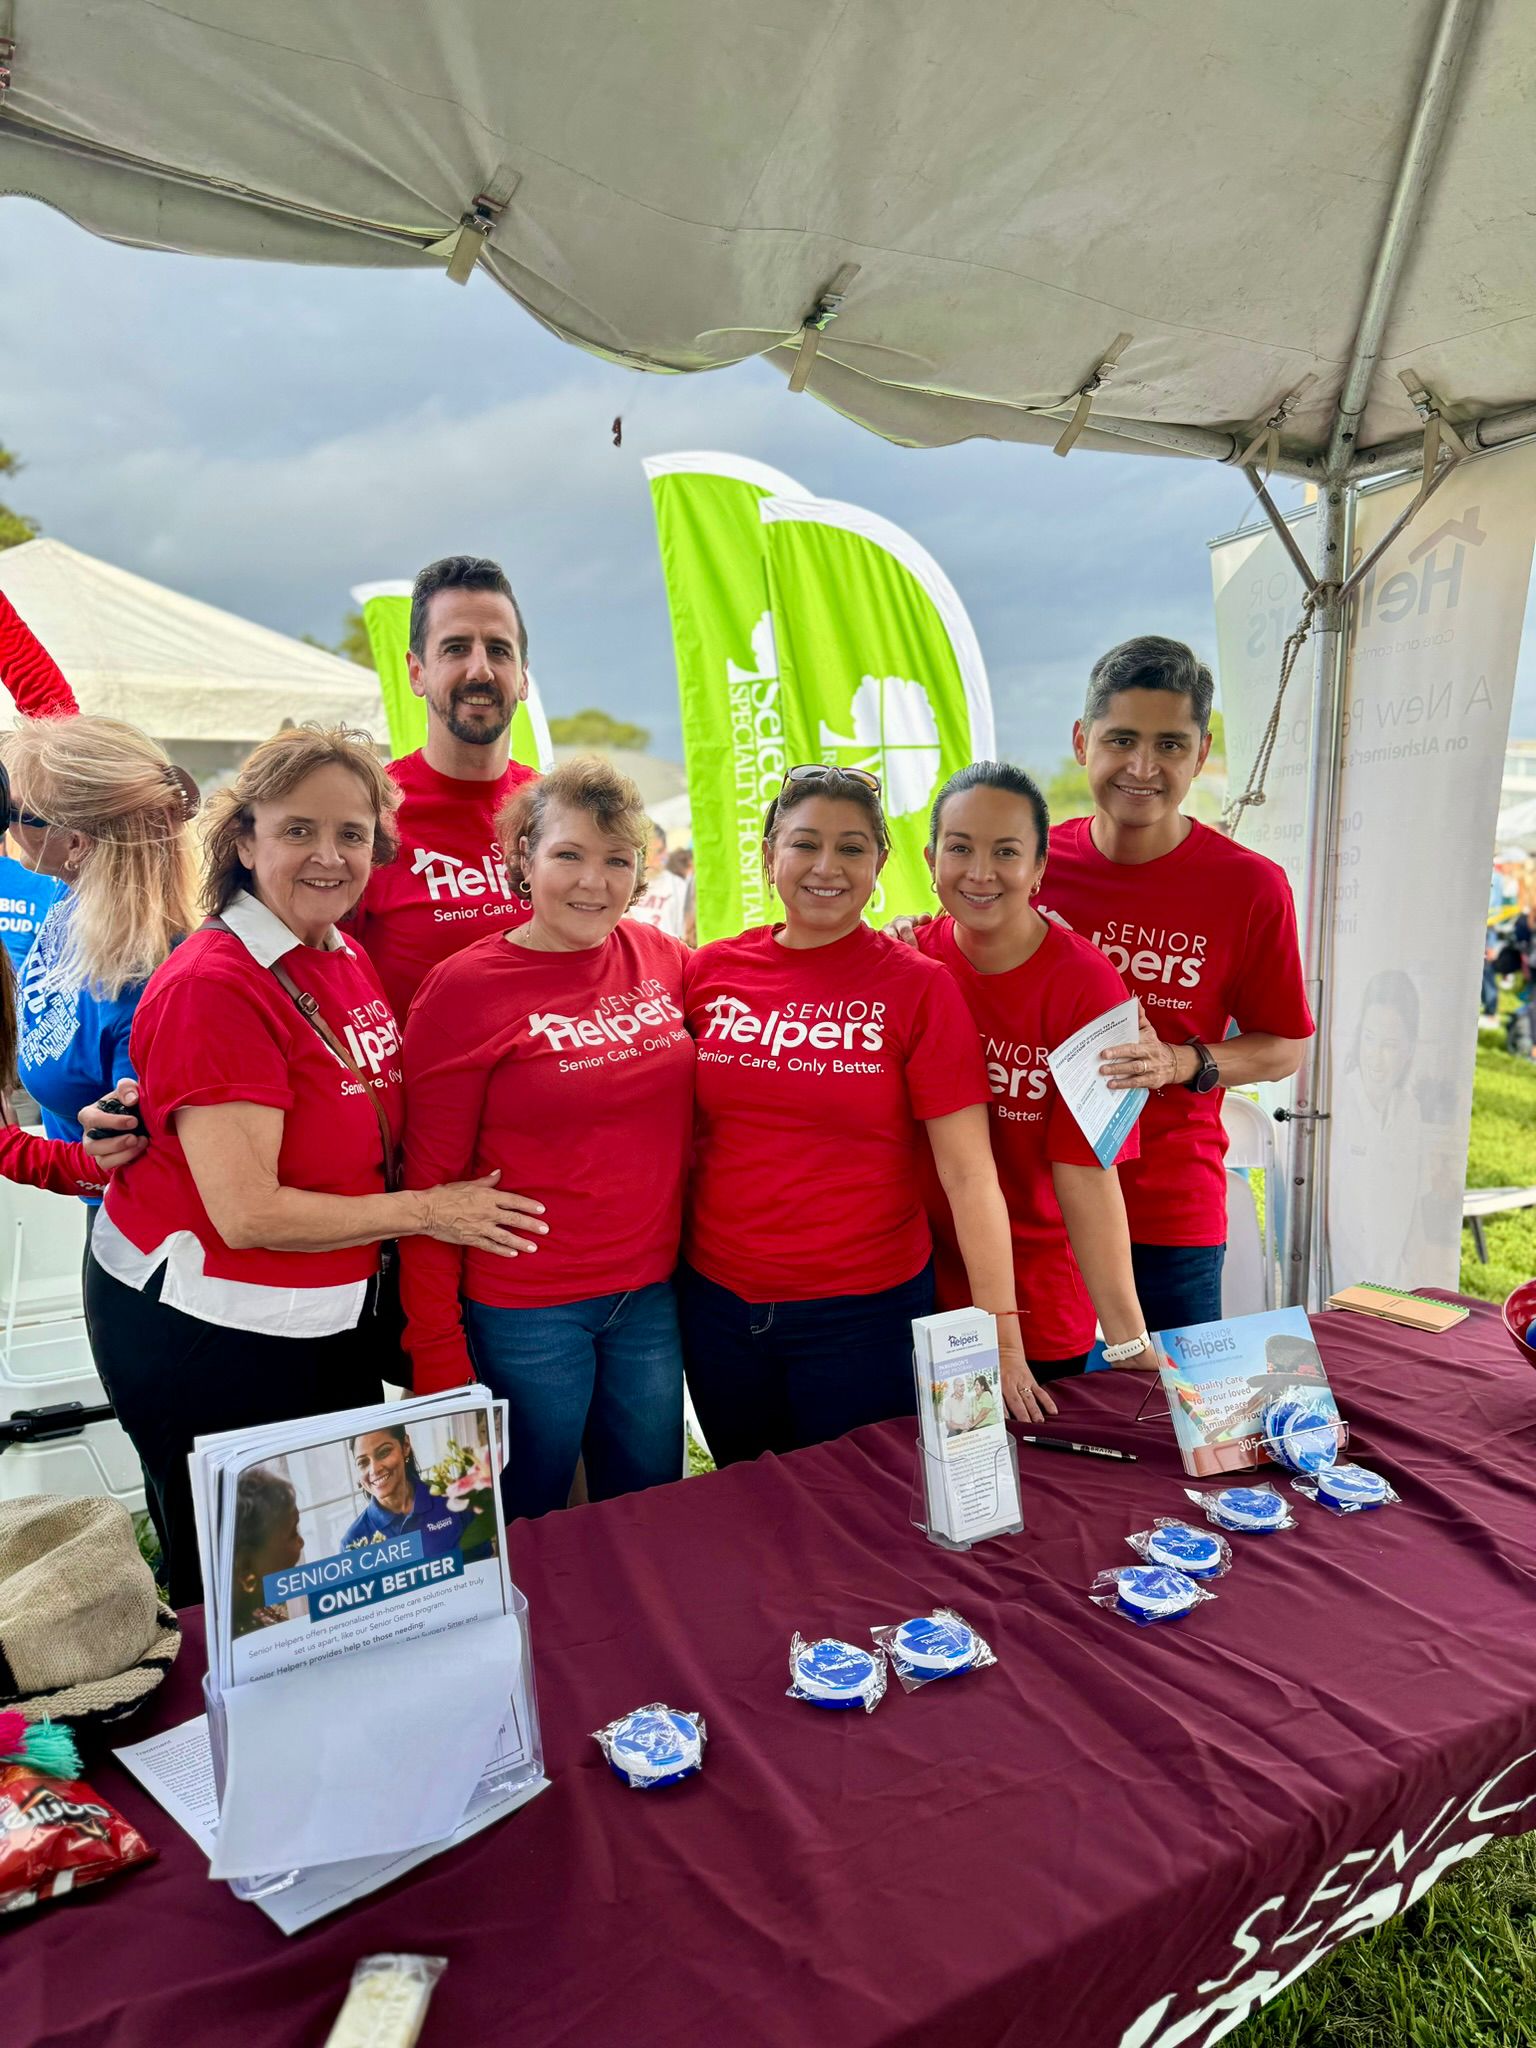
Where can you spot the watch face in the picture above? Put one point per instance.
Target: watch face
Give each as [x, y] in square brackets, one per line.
[1209, 1077]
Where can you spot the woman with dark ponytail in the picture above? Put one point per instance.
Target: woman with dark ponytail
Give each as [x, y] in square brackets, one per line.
[1029, 984]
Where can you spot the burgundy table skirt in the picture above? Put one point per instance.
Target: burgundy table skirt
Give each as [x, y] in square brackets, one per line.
[1116, 1836]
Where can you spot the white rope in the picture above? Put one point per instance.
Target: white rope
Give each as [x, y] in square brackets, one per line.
[1232, 810]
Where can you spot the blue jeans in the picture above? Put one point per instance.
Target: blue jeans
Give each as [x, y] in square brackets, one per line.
[600, 1380]
[1178, 1284]
[778, 1375]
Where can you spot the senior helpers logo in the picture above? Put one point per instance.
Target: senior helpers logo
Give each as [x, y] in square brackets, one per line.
[617, 1025]
[847, 1025]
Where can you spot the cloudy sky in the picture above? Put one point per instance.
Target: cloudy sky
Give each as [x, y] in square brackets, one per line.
[264, 437]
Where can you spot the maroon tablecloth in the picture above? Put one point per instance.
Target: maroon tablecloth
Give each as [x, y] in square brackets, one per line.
[1110, 1833]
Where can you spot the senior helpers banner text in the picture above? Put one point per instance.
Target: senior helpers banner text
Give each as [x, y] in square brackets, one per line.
[1434, 633]
[386, 610]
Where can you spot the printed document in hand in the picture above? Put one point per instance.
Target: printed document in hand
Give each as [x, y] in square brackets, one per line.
[970, 1479]
[355, 1579]
[1105, 1115]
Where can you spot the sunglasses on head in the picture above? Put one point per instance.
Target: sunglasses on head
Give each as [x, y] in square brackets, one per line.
[814, 771]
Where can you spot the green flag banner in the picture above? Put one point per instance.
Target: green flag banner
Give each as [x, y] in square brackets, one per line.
[713, 555]
[386, 610]
[878, 668]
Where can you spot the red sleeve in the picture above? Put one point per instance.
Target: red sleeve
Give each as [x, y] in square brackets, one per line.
[444, 1094]
[49, 1163]
[945, 1070]
[1271, 992]
[210, 1041]
[1097, 988]
[29, 671]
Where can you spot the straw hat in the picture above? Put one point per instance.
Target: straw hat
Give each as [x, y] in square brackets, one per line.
[84, 1637]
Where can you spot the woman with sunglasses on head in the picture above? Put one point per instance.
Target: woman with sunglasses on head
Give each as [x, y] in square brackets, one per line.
[1029, 985]
[100, 806]
[825, 1051]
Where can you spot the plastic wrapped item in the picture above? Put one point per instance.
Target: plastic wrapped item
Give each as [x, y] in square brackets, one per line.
[654, 1745]
[1147, 1593]
[1302, 1430]
[1255, 1510]
[1195, 1552]
[56, 1836]
[834, 1674]
[386, 2002]
[930, 1646]
[1346, 1489]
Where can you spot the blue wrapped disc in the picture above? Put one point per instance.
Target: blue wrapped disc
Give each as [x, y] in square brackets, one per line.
[834, 1674]
[1192, 1551]
[1351, 1486]
[1151, 1592]
[1249, 1507]
[931, 1644]
[655, 1747]
[1302, 1434]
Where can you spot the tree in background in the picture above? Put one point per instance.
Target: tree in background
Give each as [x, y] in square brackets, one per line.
[592, 728]
[15, 527]
[353, 645]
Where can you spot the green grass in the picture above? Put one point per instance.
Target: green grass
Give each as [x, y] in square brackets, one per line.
[1502, 1154]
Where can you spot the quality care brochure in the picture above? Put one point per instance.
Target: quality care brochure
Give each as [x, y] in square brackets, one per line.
[971, 1481]
[1105, 1115]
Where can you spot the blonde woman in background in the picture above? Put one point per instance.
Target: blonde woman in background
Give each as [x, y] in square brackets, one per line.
[101, 807]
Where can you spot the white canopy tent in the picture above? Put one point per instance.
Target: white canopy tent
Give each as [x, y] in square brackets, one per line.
[1302, 237]
[196, 677]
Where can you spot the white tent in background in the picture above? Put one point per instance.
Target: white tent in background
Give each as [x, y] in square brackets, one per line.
[1517, 828]
[207, 684]
[1301, 238]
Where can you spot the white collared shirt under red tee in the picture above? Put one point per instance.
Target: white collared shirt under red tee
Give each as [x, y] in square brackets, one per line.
[1019, 1017]
[816, 1070]
[573, 1073]
[215, 1026]
[1206, 937]
[448, 884]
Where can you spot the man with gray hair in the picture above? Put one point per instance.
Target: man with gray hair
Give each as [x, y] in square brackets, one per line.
[1203, 931]
[468, 662]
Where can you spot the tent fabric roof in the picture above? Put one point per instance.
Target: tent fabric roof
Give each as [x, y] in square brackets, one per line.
[1018, 181]
[181, 669]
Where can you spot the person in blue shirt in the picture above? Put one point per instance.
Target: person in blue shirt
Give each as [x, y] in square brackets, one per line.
[400, 1502]
[99, 807]
[25, 900]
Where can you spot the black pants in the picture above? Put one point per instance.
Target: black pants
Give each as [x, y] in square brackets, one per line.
[172, 1378]
[1047, 1369]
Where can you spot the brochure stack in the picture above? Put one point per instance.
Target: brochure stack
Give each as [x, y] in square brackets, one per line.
[970, 1467]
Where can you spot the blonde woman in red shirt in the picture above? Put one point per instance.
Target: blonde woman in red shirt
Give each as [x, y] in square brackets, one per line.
[557, 1051]
[825, 1051]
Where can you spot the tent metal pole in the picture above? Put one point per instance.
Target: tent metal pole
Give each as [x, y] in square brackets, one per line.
[1212, 443]
[1495, 430]
[1306, 1210]
[1437, 94]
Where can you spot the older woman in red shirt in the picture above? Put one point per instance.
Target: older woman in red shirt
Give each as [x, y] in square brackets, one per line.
[825, 1051]
[557, 1051]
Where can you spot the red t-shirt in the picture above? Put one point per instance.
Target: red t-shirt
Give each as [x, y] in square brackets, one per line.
[1019, 1017]
[572, 1072]
[1206, 936]
[448, 883]
[52, 1163]
[816, 1070]
[214, 1025]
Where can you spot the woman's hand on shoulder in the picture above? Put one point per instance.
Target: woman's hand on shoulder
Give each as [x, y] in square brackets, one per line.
[907, 928]
[482, 1215]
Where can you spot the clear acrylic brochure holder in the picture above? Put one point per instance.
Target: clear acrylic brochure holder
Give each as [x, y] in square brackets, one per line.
[928, 1486]
[518, 1759]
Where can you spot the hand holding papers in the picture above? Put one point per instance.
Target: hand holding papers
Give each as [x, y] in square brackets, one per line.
[1105, 1115]
[364, 1638]
[970, 1473]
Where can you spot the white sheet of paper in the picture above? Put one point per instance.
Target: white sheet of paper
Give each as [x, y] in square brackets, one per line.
[176, 1768]
[1105, 1115]
[328, 1763]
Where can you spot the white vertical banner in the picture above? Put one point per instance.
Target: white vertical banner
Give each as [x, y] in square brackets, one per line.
[1434, 638]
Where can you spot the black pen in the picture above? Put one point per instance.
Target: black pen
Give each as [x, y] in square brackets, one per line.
[1057, 1443]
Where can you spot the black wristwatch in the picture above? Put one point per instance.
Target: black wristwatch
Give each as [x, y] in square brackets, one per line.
[1207, 1075]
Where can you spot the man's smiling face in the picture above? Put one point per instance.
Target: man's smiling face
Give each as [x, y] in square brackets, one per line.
[471, 673]
[1141, 754]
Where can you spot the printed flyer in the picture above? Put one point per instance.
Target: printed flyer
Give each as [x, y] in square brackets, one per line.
[1220, 1377]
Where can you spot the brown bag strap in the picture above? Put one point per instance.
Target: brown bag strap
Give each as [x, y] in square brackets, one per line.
[309, 1009]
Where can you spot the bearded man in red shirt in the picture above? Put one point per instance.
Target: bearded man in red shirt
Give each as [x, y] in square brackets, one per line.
[448, 885]
[1203, 931]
